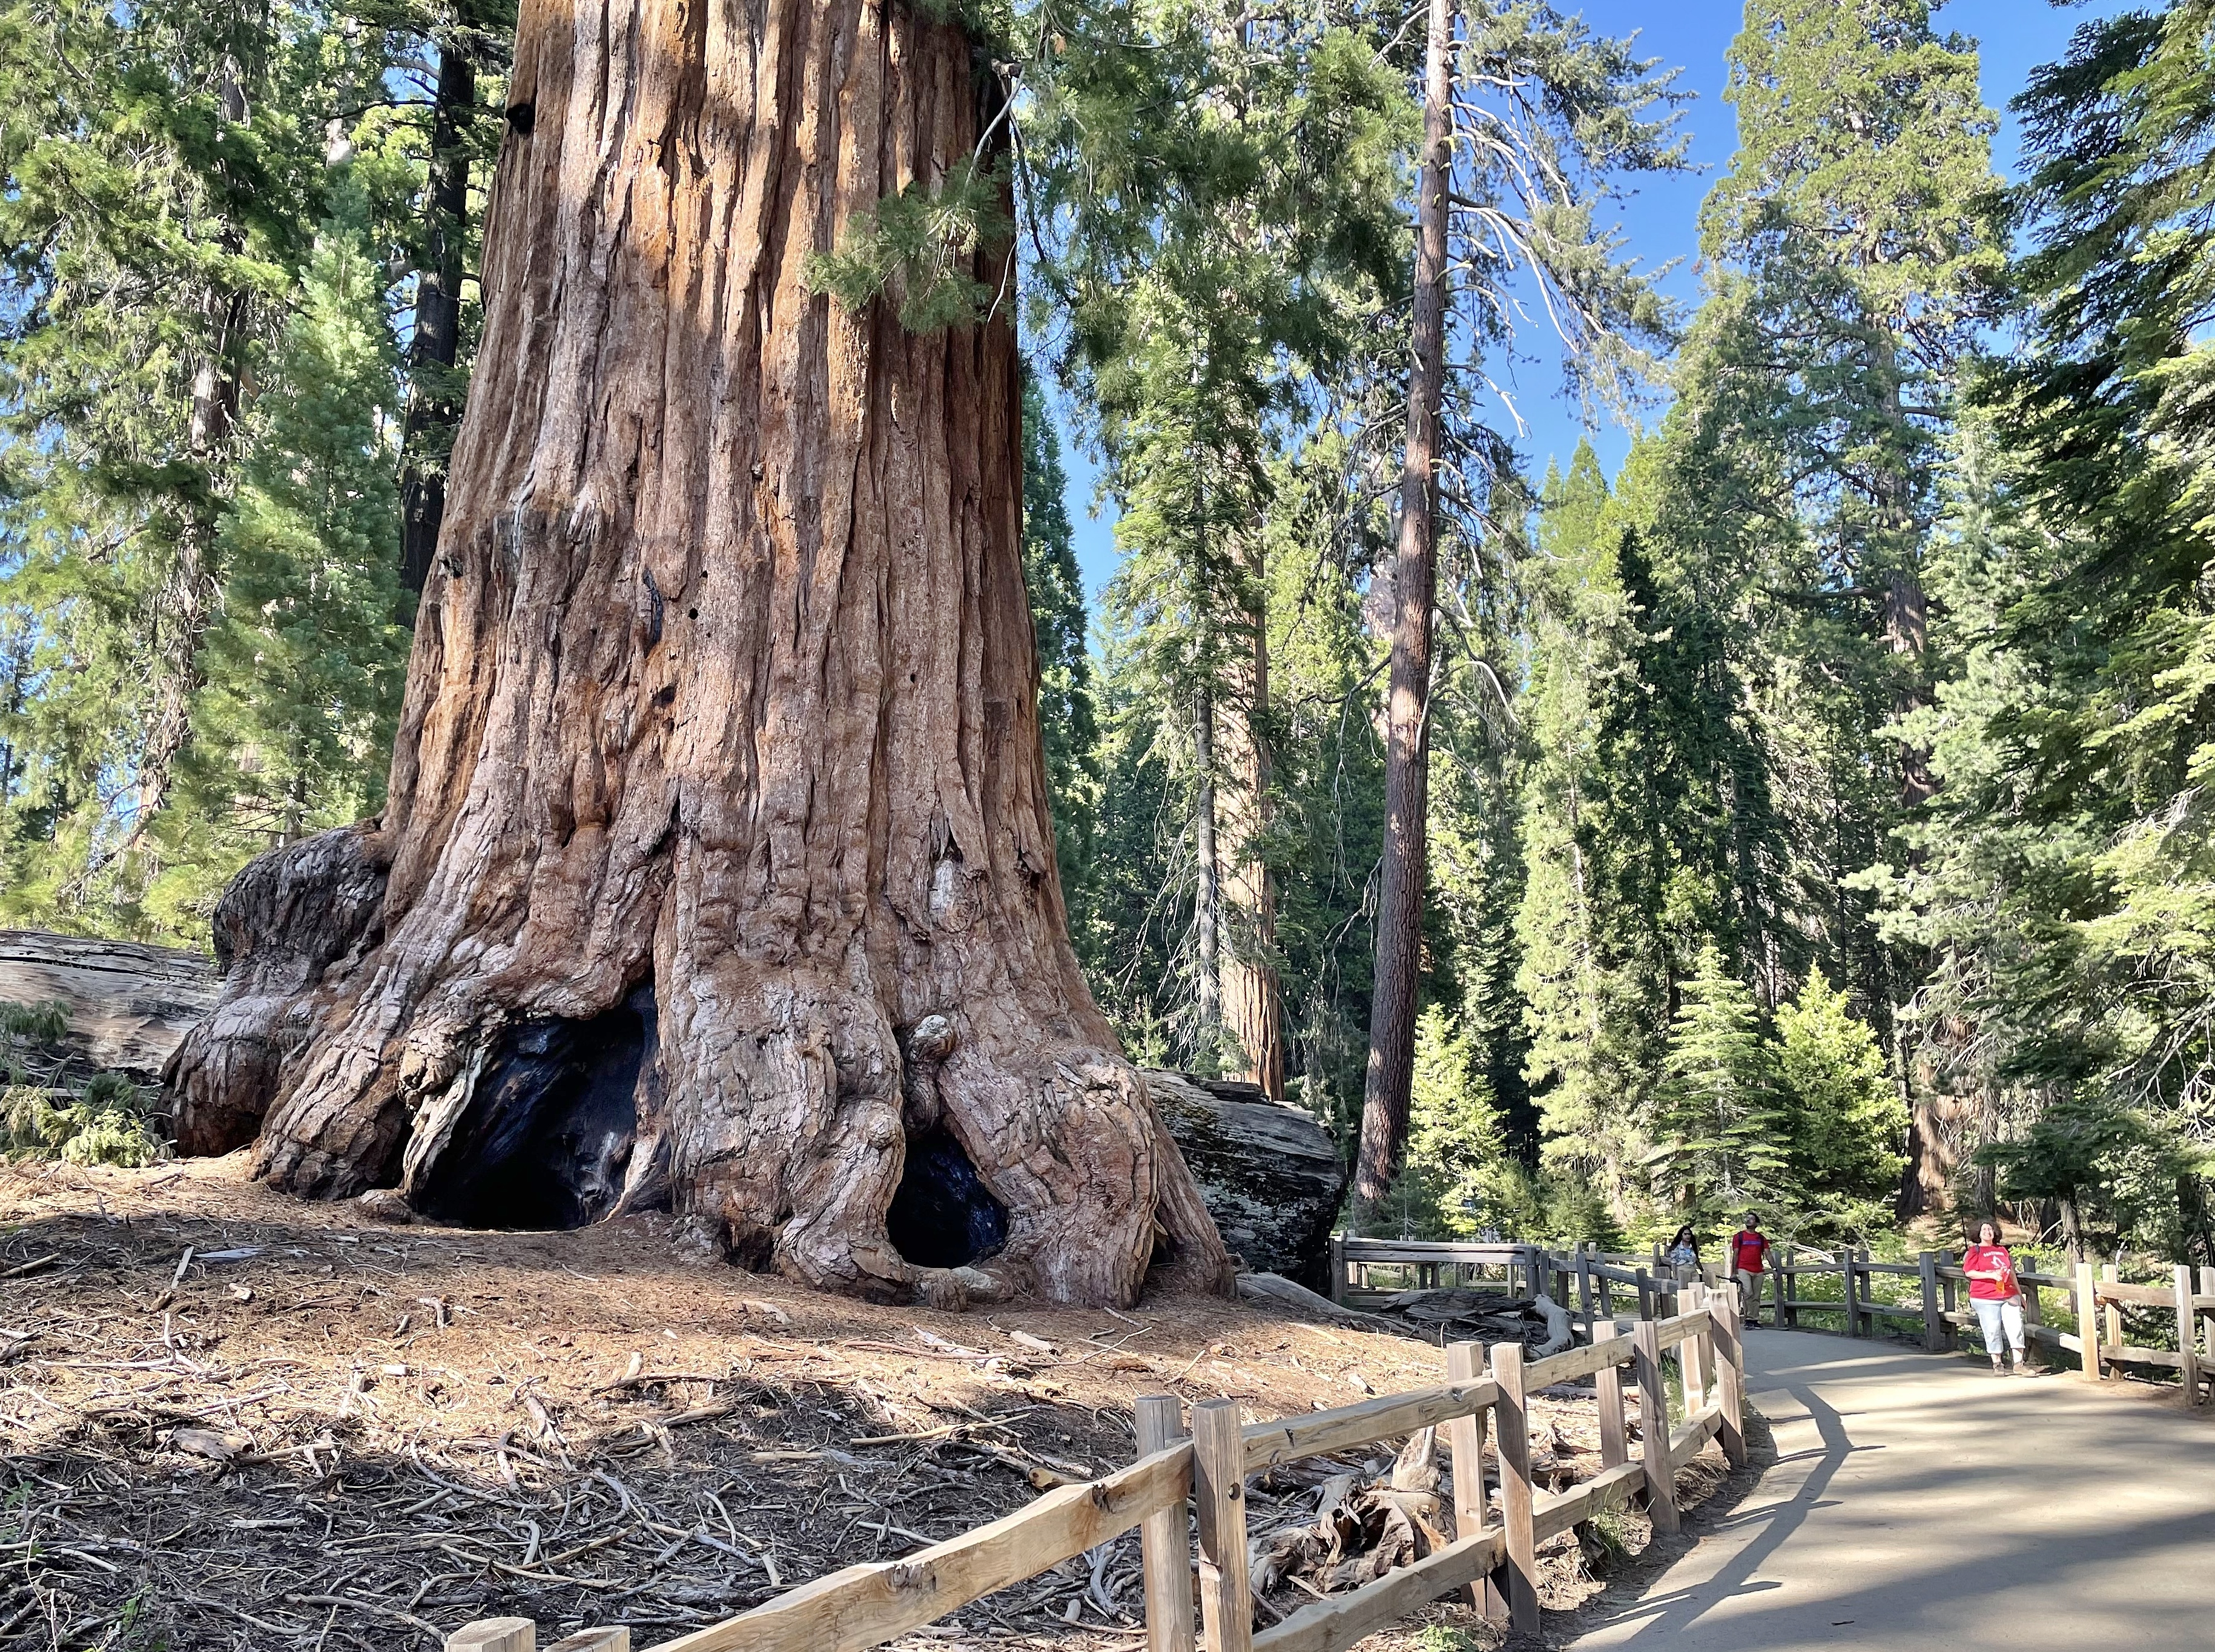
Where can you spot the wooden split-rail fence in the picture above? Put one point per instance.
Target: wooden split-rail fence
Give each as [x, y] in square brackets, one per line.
[1933, 1300]
[1190, 1477]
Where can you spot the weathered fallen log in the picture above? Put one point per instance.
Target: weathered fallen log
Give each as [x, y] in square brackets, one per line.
[1277, 1291]
[1270, 1174]
[128, 1004]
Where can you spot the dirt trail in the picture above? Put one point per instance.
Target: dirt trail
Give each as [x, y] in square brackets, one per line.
[317, 1430]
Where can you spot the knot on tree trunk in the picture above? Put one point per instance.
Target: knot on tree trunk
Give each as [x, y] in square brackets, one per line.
[928, 1043]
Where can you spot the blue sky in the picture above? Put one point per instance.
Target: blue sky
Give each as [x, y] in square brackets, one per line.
[2014, 36]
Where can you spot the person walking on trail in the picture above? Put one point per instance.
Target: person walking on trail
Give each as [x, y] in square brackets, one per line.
[1749, 1251]
[1988, 1265]
[1683, 1256]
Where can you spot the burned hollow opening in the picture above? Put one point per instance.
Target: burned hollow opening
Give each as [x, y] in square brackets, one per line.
[942, 1214]
[547, 1136]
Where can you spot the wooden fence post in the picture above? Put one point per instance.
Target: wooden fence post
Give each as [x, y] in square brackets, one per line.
[1949, 1303]
[1654, 1427]
[1607, 1386]
[1584, 1290]
[1692, 1354]
[1853, 1297]
[495, 1635]
[1787, 1287]
[1165, 1539]
[2087, 1321]
[1730, 1377]
[2207, 1326]
[2109, 1274]
[1931, 1338]
[1511, 1416]
[1645, 1294]
[2188, 1344]
[1338, 1267]
[1219, 1487]
[1465, 1444]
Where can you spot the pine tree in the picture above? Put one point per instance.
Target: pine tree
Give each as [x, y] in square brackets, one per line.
[1855, 211]
[1456, 1149]
[1720, 1136]
[1066, 715]
[1845, 1120]
[2062, 875]
[304, 666]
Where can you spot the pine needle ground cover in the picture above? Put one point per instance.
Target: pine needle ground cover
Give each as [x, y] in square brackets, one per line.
[317, 1426]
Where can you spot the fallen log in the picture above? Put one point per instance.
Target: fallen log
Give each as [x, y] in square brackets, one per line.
[129, 1005]
[1269, 1174]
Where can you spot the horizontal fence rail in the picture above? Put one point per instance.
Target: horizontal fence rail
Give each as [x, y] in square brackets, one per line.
[1493, 1555]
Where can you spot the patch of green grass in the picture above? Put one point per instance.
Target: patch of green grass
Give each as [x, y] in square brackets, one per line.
[1440, 1638]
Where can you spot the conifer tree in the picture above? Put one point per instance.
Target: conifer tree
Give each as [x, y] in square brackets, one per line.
[1846, 1123]
[304, 664]
[1720, 1136]
[1067, 719]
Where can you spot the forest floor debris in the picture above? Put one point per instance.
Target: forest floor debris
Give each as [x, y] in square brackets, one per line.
[231, 1420]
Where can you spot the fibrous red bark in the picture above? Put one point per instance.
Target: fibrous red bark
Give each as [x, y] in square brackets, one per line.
[717, 851]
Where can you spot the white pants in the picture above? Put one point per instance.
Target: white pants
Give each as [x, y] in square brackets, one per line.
[1994, 1315]
[1749, 1292]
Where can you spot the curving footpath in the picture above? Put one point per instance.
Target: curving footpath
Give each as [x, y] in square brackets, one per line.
[1918, 1501]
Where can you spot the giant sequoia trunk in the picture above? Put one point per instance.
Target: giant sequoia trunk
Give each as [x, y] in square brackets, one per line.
[717, 866]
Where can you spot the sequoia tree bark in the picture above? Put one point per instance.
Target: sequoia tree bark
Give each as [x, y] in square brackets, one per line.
[717, 866]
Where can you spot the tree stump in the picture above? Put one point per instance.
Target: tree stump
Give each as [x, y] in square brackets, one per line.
[716, 866]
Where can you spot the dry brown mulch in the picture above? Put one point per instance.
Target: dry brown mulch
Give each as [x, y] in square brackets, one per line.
[317, 1431]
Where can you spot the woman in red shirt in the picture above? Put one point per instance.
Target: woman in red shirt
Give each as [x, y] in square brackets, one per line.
[1990, 1269]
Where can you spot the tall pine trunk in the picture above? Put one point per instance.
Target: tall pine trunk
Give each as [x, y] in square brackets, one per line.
[1253, 993]
[434, 408]
[717, 867]
[1390, 1075]
[1207, 898]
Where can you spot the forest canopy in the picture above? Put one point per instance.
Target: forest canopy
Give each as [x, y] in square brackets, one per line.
[1809, 812]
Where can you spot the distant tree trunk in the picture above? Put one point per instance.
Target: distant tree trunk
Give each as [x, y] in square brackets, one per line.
[1253, 995]
[1207, 899]
[717, 867]
[434, 408]
[185, 607]
[1407, 715]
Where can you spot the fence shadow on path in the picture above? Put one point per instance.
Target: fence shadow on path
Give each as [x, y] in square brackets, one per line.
[1933, 1510]
[1662, 1612]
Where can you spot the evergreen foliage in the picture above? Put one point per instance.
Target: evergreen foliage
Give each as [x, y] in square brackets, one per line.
[1721, 1140]
[209, 219]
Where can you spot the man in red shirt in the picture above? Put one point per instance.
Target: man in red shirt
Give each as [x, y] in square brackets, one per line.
[1988, 1265]
[1749, 1247]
